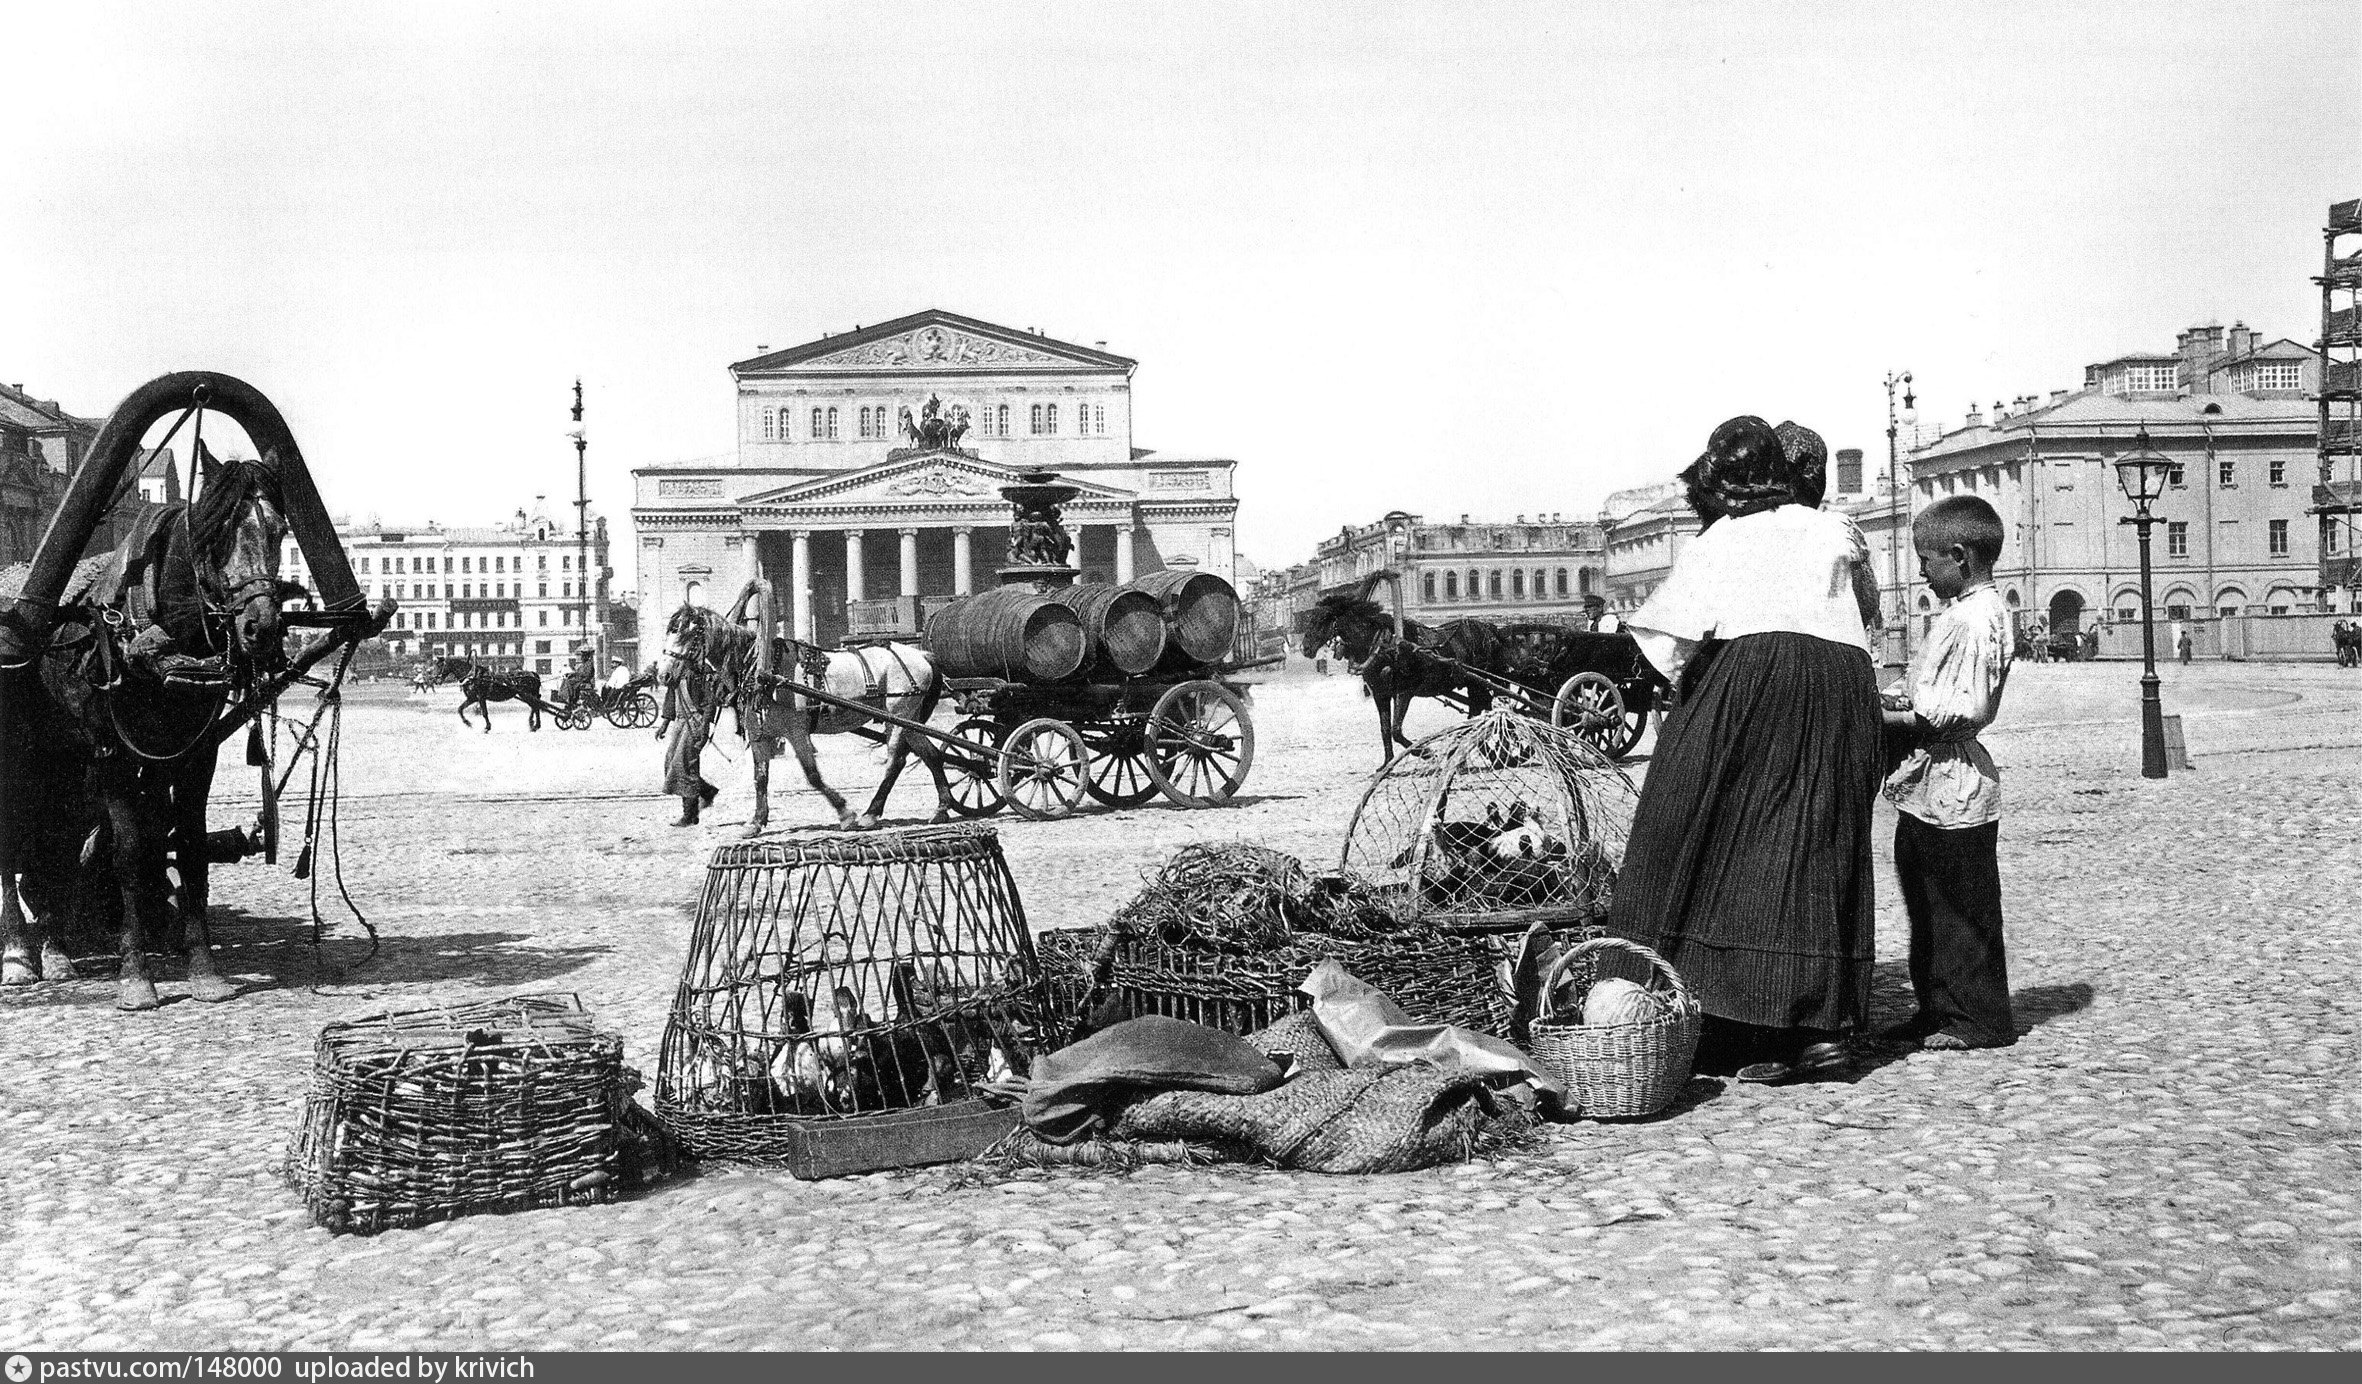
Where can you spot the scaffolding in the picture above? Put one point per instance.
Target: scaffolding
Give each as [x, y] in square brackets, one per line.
[2339, 501]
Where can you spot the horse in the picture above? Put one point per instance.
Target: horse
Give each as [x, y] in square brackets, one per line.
[899, 679]
[1423, 661]
[109, 733]
[482, 686]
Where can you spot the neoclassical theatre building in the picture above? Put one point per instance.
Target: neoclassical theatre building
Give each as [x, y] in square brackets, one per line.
[869, 464]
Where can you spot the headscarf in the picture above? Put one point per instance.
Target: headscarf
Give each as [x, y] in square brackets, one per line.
[1744, 471]
[1808, 460]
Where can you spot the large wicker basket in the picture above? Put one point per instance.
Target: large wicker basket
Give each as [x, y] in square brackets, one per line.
[429, 1114]
[919, 938]
[1437, 979]
[1620, 1070]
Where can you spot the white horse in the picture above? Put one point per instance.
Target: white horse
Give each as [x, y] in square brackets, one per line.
[899, 679]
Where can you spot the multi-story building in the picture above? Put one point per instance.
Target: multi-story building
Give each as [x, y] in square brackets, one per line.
[2236, 533]
[839, 492]
[1528, 568]
[40, 445]
[509, 595]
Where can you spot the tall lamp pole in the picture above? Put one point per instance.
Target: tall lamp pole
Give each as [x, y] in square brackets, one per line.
[2143, 473]
[1897, 501]
[582, 524]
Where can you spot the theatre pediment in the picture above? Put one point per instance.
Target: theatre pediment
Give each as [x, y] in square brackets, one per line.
[940, 478]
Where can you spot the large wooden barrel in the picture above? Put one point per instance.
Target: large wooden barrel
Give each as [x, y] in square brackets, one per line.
[1008, 632]
[1125, 627]
[1201, 614]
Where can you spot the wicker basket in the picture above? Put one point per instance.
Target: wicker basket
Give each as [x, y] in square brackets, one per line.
[914, 942]
[1436, 979]
[429, 1114]
[1620, 1070]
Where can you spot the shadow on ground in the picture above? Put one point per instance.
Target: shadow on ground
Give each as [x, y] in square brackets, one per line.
[245, 946]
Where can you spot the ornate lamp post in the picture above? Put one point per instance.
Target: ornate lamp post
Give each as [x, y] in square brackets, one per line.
[1897, 501]
[2143, 474]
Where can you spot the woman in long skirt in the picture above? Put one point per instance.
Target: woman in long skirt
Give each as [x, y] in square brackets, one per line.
[1748, 867]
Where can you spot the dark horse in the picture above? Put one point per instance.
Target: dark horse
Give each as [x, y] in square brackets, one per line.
[1423, 661]
[116, 717]
[481, 686]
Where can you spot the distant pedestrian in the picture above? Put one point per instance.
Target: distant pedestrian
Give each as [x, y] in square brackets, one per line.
[2342, 638]
[2184, 645]
[2091, 643]
[1947, 792]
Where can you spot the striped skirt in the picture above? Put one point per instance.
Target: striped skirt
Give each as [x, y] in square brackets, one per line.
[1749, 864]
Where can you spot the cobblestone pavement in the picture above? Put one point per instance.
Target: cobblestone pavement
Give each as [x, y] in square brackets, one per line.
[2166, 1160]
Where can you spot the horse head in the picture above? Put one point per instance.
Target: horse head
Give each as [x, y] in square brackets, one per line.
[1354, 621]
[236, 528]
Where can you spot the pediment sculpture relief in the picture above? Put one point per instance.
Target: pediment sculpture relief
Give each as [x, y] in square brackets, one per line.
[939, 346]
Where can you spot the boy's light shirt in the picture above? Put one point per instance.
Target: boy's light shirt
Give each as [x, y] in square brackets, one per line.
[1955, 684]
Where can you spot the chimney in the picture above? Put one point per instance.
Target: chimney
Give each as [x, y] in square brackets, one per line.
[1849, 470]
[1099, 345]
[2242, 340]
[2057, 394]
[1520, 518]
[1463, 518]
[2198, 343]
[2091, 376]
[1976, 419]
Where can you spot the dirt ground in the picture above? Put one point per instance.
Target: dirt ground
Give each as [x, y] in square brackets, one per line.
[2167, 1158]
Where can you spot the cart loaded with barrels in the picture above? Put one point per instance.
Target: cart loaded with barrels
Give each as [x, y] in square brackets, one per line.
[1115, 693]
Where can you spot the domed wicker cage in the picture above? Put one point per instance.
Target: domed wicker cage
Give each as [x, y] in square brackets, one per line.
[850, 1001]
[1493, 825]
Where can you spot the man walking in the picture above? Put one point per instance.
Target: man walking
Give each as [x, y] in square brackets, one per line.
[683, 718]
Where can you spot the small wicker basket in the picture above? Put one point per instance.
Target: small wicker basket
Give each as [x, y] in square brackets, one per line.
[427, 1114]
[1620, 1070]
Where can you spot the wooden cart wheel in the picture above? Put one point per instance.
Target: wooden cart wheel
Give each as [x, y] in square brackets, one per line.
[1044, 769]
[1201, 742]
[632, 711]
[974, 780]
[1119, 764]
[1592, 706]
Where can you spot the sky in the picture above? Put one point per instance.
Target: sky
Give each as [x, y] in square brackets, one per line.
[1472, 258]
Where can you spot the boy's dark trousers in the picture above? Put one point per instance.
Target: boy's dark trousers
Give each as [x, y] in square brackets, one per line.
[1951, 882]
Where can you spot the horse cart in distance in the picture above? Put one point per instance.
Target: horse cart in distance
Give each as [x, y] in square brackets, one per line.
[1597, 685]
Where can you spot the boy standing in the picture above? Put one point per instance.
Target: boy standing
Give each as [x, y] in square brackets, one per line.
[1948, 793]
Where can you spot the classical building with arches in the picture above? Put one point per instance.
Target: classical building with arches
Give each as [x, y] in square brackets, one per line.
[869, 465]
[2236, 533]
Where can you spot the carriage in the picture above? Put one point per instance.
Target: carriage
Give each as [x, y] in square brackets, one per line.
[629, 707]
[1597, 685]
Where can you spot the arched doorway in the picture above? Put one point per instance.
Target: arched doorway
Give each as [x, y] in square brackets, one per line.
[2066, 612]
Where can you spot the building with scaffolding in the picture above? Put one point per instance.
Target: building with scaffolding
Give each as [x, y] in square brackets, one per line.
[2337, 495]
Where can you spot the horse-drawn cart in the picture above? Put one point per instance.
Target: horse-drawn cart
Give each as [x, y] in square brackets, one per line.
[1042, 749]
[1597, 685]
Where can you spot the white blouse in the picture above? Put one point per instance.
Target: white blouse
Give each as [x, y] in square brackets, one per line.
[1788, 569]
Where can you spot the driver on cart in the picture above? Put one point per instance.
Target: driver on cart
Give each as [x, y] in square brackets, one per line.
[580, 682]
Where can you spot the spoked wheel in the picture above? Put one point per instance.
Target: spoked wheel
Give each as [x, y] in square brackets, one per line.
[578, 718]
[974, 781]
[1044, 769]
[1201, 742]
[1119, 764]
[1592, 706]
[634, 712]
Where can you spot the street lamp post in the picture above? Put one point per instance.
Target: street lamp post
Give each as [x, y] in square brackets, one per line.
[582, 524]
[1896, 501]
[2143, 473]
